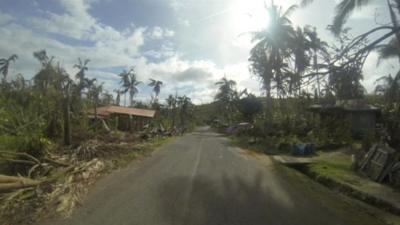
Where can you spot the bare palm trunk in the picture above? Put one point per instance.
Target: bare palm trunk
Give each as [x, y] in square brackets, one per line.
[316, 71]
[95, 109]
[67, 122]
[173, 116]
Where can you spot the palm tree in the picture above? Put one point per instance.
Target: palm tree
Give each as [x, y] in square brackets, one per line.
[300, 47]
[156, 84]
[129, 82]
[225, 89]
[171, 104]
[317, 46]
[389, 50]
[41, 55]
[343, 11]
[19, 84]
[118, 97]
[226, 97]
[95, 92]
[88, 84]
[184, 104]
[346, 7]
[5, 64]
[49, 75]
[274, 43]
[259, 65]
[80, 76]
[107, 98]
[389, 87]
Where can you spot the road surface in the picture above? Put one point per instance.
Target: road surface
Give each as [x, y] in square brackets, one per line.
[201, 179]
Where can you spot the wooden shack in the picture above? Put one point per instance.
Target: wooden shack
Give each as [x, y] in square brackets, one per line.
[125, 118]
[359, 116]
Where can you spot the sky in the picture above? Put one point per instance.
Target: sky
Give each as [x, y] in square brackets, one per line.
[187, 44]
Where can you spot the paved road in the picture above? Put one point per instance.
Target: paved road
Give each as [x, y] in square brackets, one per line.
[200, 179]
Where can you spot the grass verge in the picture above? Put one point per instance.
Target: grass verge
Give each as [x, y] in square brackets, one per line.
[348, 206]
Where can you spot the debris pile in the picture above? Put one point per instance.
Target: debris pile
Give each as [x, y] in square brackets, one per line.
[382, 164]
[66, 195]
[55, 182]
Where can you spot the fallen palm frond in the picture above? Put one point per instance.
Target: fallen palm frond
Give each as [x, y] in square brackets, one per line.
[66, 195]
[32, 199]
[96, 149]
[9, 183]
[22, 202]
[10, 156]
[88, 150]
[61, 180]
[34, 167]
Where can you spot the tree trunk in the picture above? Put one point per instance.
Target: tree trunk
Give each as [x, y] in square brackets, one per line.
[393, 18]
[67, 119]
[95, 109]
[173, 116]
[316, 70]
[9, 183]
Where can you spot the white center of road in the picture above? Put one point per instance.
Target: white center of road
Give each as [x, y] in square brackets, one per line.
[188, 193]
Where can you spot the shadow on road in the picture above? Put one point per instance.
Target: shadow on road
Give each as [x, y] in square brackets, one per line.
[230, 200]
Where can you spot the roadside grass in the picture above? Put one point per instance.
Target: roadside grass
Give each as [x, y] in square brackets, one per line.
[266, 146]
[352, 210]
[336, 166]
[242, 142]
[333, 165]
[328, 166]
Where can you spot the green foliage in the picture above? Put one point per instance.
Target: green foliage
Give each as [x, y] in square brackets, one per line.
[226, 98]
[346, 82]
[250, 107]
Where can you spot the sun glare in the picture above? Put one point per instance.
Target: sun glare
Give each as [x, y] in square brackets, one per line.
[249, 16]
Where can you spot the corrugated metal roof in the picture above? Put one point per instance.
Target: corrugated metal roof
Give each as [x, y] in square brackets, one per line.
[107, 110]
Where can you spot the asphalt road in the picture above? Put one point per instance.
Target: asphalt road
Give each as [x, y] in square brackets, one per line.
[201, 179]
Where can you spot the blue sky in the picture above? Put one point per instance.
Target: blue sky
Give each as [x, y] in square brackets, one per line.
[188, 44]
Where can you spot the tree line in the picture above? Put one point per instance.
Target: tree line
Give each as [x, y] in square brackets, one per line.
[53, 102]
[297, 68]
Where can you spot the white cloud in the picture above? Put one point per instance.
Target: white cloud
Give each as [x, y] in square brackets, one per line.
[194, 78]
[159, 33]
[175, 4]
[5, 18]
[368, 12]
[372, 71]
[217, 41]
[75, 22]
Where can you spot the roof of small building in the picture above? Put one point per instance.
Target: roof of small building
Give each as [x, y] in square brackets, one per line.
[107, 110]
[348, 106]
[332, 108]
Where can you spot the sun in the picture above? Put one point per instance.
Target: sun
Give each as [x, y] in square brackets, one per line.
[249, 16]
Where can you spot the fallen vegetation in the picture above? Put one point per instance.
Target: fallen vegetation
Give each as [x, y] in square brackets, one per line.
[58, 189]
